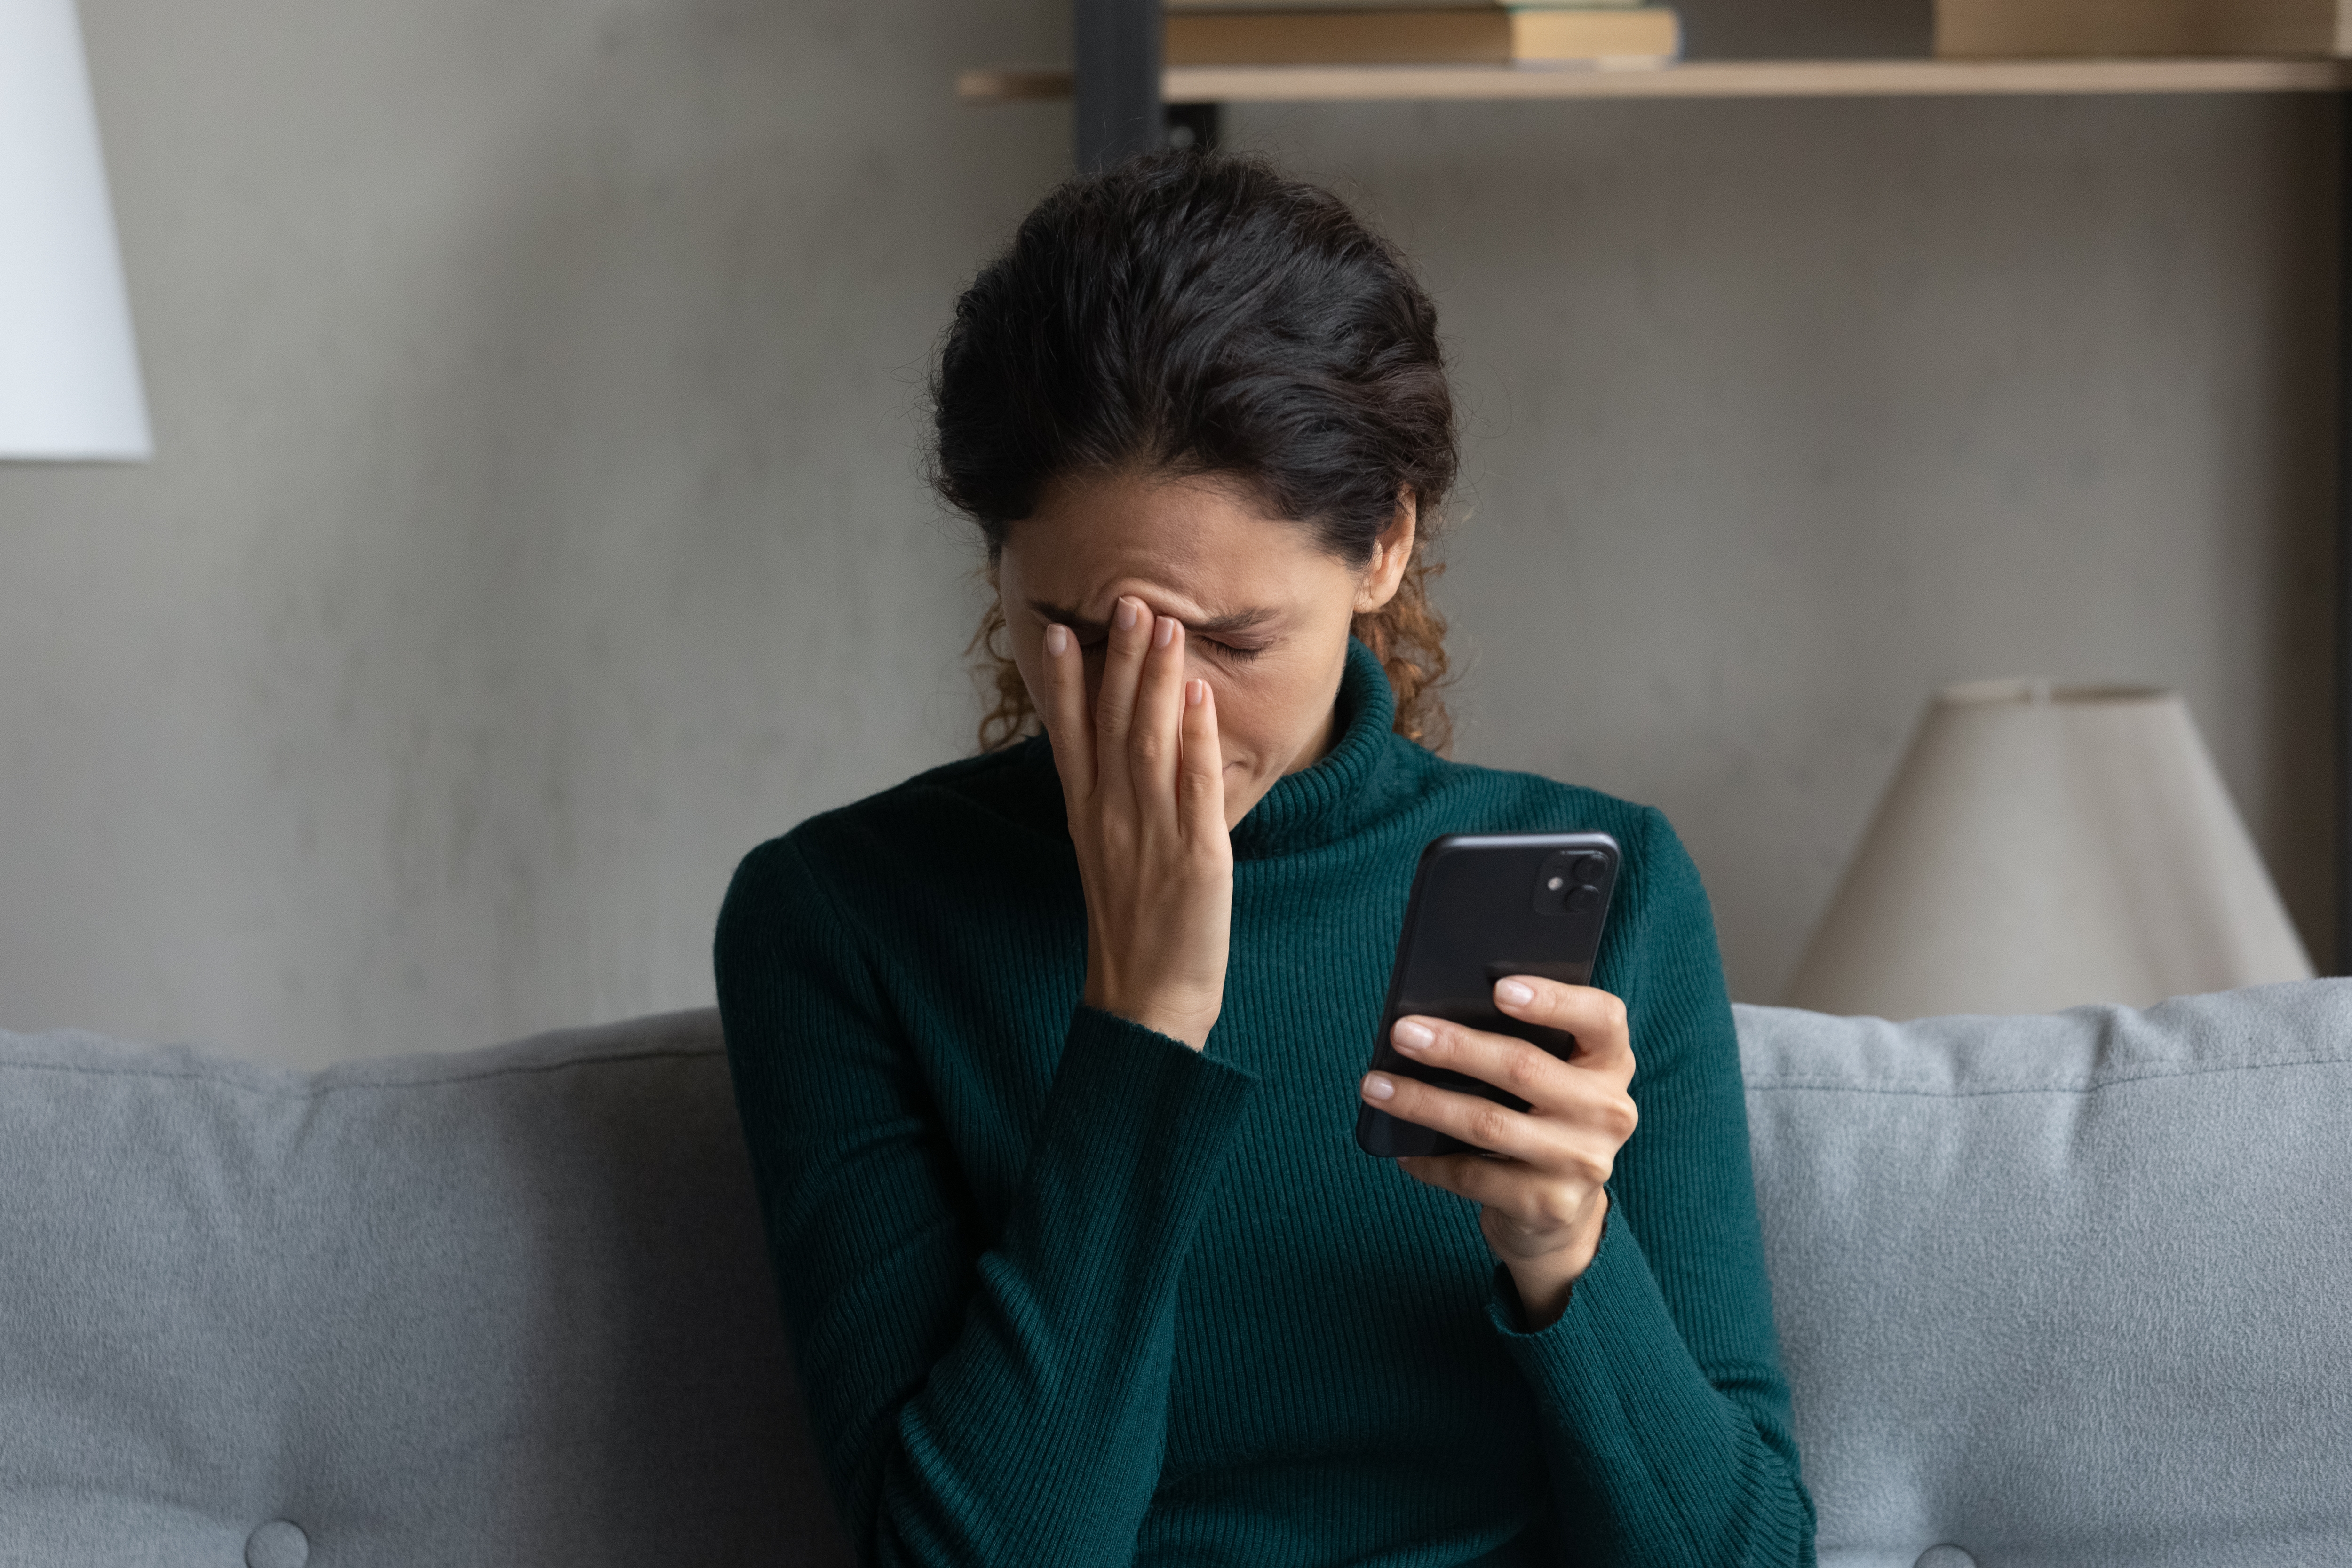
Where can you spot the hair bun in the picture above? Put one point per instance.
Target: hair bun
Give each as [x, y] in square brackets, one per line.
[1195, 314]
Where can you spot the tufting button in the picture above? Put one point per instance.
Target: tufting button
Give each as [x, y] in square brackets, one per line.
[280, 1543]
[1944, 1556]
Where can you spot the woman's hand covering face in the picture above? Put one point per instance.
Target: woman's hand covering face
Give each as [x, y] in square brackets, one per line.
[1184, 650]
[1144, 785]
[1266, 609]
[1541, 1200]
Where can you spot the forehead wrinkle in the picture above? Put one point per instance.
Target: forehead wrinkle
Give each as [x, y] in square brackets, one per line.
[1188, 550]
[1232, 621]
[1171, 587]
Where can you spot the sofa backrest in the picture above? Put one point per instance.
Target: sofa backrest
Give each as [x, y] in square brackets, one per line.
[2052, 1290]
[503, 1307]
[2067, 1290]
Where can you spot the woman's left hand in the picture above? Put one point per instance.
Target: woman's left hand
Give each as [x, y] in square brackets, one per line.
[1542, 1204]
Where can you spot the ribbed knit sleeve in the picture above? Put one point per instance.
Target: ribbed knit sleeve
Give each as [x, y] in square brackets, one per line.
[1668, 1431]
[980, 1398]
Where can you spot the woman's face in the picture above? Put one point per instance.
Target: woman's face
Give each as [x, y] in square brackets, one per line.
[1266, 608]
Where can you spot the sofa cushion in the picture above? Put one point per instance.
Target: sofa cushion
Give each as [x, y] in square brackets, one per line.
[504, 1307]
[2060, 1290]
[2067, 1290]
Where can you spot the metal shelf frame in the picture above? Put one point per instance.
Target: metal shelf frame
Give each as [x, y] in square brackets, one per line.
[1122, 91]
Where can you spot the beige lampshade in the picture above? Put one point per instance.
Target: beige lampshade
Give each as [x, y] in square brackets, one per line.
[2042, 847]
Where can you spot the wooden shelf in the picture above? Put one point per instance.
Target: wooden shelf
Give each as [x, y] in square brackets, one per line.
[1702, 78]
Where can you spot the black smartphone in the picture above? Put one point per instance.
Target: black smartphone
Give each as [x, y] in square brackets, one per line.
[1486, 907]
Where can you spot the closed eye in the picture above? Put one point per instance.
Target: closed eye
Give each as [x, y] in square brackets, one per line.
[1238, 653]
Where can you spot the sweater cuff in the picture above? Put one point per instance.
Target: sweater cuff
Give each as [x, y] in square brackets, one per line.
[1141, 1120]
[1124, 1069]
[1614, 1346]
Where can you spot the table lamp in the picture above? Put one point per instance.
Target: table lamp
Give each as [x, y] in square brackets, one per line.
[69, 386]
[2043, 846]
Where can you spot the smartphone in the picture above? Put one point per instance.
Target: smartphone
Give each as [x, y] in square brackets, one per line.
[1486, 907]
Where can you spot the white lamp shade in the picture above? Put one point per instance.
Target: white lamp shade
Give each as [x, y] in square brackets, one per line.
[69, 370]
[2043, 847]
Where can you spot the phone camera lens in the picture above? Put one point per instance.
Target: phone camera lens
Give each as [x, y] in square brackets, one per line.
[1569, 882]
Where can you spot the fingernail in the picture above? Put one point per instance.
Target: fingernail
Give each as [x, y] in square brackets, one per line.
[1057, 640]
[1195, 693]
[1379, 1086]
[1129, 613]
[1165, 633]
[1514, 993]
[1411, 1036]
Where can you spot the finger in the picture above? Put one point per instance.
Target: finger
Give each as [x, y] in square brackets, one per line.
[1597, 1019]
[1507, 1062]
[1474, 1119]
[1063, 707]
[1518, 1203]
[1481, 1181]
[1129, 639]
[1201, 784]
[1154, 734]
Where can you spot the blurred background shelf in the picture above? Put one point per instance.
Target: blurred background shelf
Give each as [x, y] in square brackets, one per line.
[1126, 99]
[1706, 79]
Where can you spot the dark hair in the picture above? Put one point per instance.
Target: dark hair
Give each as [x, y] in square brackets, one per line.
[1200, 314]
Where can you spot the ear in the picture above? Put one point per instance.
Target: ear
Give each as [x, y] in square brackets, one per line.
[1391, 553]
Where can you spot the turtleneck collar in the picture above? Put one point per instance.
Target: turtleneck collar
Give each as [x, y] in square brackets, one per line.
[1346, 789]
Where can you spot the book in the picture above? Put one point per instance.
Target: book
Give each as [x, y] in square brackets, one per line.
[1970, 28]
[1168, 5]
[1426, 36]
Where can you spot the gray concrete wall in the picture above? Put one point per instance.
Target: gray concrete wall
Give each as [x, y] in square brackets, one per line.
[537, 522]
[1790, 412]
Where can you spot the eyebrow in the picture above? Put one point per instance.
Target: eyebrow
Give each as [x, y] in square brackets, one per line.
[1215, 626]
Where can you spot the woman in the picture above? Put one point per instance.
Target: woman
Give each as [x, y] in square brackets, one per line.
[1049, 1060]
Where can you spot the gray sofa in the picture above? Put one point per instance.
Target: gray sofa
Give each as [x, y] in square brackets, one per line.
[2053, 1291]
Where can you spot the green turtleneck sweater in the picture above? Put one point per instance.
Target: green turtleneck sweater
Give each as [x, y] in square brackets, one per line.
[1064, 1291]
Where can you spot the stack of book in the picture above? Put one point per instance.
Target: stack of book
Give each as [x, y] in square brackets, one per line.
[2186, 27]
[1419, 31]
